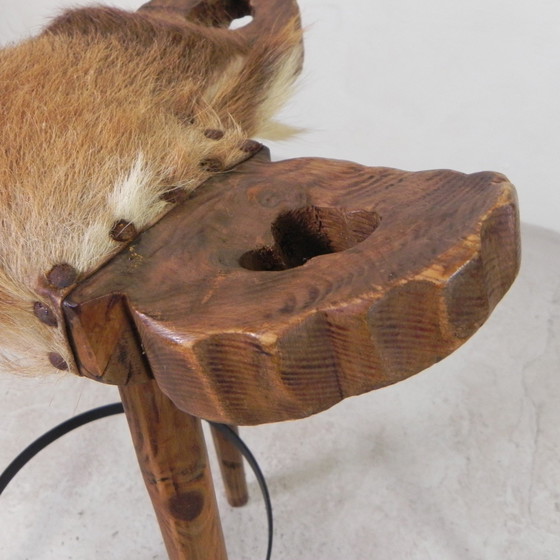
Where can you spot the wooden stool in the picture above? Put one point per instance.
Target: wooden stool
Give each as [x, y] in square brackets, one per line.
[276, 291]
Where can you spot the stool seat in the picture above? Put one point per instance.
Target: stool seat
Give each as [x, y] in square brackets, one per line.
[279, 289]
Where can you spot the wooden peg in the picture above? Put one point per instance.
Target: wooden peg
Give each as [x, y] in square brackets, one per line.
[232, 469]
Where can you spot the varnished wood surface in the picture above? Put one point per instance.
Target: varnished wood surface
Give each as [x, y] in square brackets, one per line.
[172, 457]
[279, 289]
[232, 469]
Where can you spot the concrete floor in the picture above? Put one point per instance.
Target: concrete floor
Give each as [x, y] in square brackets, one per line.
[461, 462]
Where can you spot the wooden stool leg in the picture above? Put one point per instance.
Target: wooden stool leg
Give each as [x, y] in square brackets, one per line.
[231, 467]
[174, 463]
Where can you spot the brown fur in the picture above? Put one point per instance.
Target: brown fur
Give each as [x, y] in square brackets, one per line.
[101, 115]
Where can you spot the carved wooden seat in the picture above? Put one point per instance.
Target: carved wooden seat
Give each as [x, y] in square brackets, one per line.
[274, 292]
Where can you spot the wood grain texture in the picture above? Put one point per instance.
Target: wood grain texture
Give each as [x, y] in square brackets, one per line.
[108, 328]
[232, 469]
[280, 289]
[172, 457]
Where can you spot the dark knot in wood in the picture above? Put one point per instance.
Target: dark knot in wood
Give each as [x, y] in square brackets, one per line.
[187, 506]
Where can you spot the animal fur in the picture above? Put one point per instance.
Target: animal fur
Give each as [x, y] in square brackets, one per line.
[101, 115]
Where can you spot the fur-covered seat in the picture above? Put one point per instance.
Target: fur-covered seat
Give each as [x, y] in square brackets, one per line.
[108, 119]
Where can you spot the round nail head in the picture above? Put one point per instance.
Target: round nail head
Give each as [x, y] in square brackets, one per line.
[174, 195]
[214, 134]
[57, 361]
[250, 146]
[45, 314]
[211, 164]
[123, 231]
[62, 275]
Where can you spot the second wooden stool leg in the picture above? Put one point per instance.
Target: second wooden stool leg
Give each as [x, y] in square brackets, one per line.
[174, 463]
[231, 467]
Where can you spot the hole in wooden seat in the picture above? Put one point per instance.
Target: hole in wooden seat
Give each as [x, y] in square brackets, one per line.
[299, 235]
